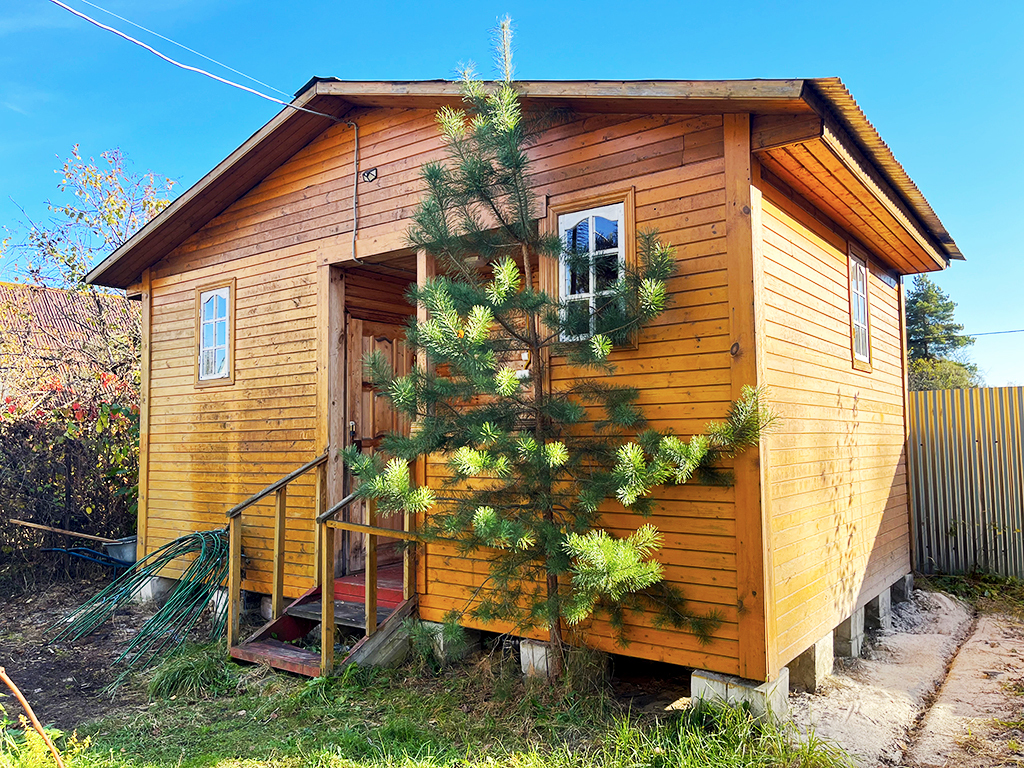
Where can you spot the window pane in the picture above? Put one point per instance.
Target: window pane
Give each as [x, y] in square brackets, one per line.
[606, 272]
[606, 233]
[608, 318]
[207, 335]
[222, 306]
[577, 317]
[222, 333]
[577, 239]
[860, 342]
[206, 367]
[208, 307]
[578, 272]
[221, 358]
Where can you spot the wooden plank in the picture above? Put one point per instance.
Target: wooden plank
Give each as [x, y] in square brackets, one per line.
[751, 542]
[234, 580]
[365, 651]
[280, 518]
[327, 625]
[145, 399]
[370, 542]
[770, 131]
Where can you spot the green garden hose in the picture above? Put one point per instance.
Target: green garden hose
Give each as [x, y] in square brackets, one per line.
[168, 627]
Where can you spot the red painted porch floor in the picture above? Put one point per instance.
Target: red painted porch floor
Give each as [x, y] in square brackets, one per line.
[352, 588]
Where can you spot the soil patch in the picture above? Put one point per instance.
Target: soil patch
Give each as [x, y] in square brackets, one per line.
[975, 719]
[64, 682]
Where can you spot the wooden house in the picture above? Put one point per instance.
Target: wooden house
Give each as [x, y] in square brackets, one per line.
[794, 226]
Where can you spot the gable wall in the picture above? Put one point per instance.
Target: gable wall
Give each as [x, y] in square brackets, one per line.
[838, 516]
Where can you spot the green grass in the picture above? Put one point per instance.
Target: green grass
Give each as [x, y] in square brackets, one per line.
[985, 591]
[191, 671]
[471, 715]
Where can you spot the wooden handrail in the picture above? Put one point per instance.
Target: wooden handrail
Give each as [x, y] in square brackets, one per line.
[234, 585]
[376, 530]
[236, 510]
[325, 516]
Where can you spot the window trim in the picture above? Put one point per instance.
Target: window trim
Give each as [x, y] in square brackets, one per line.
[577, 203]
[858, 258]
[229, 286]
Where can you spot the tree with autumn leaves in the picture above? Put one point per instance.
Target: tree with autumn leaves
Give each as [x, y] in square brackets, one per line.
[69, 355]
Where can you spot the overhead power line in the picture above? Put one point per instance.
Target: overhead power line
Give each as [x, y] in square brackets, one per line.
[186, 48]
[993, 333]
[189, 68]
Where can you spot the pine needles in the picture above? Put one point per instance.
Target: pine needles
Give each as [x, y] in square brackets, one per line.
[169, 627]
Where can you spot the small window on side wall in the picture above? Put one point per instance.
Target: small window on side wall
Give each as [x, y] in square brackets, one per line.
[593, 260]
[214, 335]
[860, 325]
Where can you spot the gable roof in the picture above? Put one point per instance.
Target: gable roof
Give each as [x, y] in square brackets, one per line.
[291, 129]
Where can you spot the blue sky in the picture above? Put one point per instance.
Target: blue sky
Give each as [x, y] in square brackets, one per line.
[941, 82]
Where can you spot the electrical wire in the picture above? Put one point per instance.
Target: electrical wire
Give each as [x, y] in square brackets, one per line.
[189, 68]
[993, 333]
[186, 48]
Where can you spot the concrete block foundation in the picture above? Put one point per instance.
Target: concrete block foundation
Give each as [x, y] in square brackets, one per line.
[769, 699]
[266, 607]
[154, 590]
[903, 589]
[445, 651]
[878, 612]
[809, 670]
[848, 637]
[534, 657]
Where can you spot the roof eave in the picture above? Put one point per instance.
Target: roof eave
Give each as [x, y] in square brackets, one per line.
[186, 214]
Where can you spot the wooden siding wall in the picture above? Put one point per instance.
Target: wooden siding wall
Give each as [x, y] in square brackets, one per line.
[216, 445]
[837, 471]
[681, 367]
[211, 447]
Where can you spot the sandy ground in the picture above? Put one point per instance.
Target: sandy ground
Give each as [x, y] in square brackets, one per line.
[928, 692]
[975, 718]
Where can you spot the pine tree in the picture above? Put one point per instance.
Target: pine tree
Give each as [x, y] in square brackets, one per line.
[532, 465]
[935, 341]
[932, 334]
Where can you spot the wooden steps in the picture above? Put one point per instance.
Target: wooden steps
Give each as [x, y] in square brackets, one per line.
[272, 644]
[346, 614]
[279, 655]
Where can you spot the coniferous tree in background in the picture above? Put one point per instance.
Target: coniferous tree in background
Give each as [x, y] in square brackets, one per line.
[935, 341]
[532, 465]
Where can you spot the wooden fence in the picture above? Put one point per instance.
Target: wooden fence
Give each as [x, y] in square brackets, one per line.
[966, 461]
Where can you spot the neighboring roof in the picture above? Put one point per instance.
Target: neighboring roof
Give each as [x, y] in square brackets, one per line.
[46, 332]
[291, 129]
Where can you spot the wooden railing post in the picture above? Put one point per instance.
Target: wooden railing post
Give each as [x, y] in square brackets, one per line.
[234, 578]
[326, 599]
[370, 542]
[325, 567]
[280, 510]
[320, 504]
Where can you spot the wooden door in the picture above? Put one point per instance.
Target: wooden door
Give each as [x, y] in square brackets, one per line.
[369, 418]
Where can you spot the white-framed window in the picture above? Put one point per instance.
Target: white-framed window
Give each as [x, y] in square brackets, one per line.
[592, 261]
[214, 331]
[859, 309]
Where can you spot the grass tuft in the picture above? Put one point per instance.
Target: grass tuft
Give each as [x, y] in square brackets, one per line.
[195, 671]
